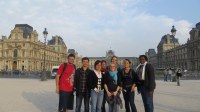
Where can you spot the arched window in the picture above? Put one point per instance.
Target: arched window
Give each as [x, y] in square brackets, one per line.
[16, 36]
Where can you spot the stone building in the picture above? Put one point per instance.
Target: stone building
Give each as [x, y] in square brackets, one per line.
[173, 55]
[23, 51]
[108, 57]
[152, 57]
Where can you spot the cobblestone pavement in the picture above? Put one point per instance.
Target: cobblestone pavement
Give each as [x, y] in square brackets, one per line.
[32, 95]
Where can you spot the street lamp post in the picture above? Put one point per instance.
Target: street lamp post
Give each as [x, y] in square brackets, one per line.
[173, 31]
[43, 78]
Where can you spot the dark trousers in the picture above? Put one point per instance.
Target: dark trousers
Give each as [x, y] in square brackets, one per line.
[147, 99]
[103, 109]
[165, 77]
[66, 101]
[129, 98]
[79, 98]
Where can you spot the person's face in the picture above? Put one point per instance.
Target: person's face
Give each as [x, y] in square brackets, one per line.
[98, 67]
[103, 65]
[71, 60]
[142, 60]
[126, 64]
[112, 67]
[114, 60]
[85, 63]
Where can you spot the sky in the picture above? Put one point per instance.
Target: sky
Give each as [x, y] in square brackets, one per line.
[92, 27]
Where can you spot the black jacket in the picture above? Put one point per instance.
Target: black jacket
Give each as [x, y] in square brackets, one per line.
[77, 76]
[130, 79]
[109, 81]
[93, 80]
[149, 81]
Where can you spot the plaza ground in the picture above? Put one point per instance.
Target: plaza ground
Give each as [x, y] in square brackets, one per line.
[33, 95]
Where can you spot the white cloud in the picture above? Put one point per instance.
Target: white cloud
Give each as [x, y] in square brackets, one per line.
[92, 26]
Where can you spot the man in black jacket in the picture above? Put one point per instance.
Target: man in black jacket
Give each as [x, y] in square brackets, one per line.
[81, 85]
[146, 85]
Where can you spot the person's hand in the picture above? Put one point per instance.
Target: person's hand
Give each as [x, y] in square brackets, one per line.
[151, 93]
[109, 94]
[115, 93]
[133, 89]
[57, 90]
[97, 90]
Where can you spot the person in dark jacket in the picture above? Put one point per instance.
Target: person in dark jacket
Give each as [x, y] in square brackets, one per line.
[129, 79]
[81, 85]
[146, 85]
[112, 86]
[96, 84]
[104, 72]
[178, 76]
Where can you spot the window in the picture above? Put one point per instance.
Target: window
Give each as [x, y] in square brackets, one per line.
[16, 36]
[15, 53]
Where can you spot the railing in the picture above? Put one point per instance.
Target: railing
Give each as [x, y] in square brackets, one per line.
[23, 74]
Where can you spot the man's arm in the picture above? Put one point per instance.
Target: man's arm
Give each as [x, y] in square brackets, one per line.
[57, 83]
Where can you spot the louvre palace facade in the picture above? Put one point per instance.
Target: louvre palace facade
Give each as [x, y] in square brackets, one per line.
[22, 50]
[109, 55]
[170, 54]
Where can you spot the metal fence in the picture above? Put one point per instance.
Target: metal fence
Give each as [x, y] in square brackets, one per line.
[24, 74]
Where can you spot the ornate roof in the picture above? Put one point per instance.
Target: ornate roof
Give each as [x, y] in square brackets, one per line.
[25, 28]
[56, 40]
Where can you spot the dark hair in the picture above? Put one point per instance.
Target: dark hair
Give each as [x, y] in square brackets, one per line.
[128, 61]
[96, 63]
[71, 55]
[113, 57]
[144, 56]
[103, 61]
[85, 58]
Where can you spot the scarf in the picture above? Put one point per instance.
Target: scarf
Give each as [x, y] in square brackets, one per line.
[114, 75]
[143, 70]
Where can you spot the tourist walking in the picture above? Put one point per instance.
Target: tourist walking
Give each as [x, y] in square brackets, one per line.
[112, 86]
[146, 85]
[81, 85]
[170, 74]
[64, 84]
[96, 84]
[129, 79]
[178, 76]
[165, 74]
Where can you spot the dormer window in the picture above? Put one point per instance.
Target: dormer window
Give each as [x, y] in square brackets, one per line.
[16, 36]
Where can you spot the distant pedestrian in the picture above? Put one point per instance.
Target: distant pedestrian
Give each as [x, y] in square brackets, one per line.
[104, 72]
[169, 74]
[64, 84]
[178, 76]
[165, 74]
[81, 85]
[129, 79]
[146, 85]
[96, 85]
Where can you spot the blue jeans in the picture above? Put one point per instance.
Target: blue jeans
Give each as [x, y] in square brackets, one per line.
[96, 100]
[147, 99]
[79, 98]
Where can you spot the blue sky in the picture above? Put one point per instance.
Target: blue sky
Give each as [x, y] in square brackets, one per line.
[91, 27]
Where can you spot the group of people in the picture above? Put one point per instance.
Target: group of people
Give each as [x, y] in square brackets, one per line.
[168, 75]
[104, 84]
